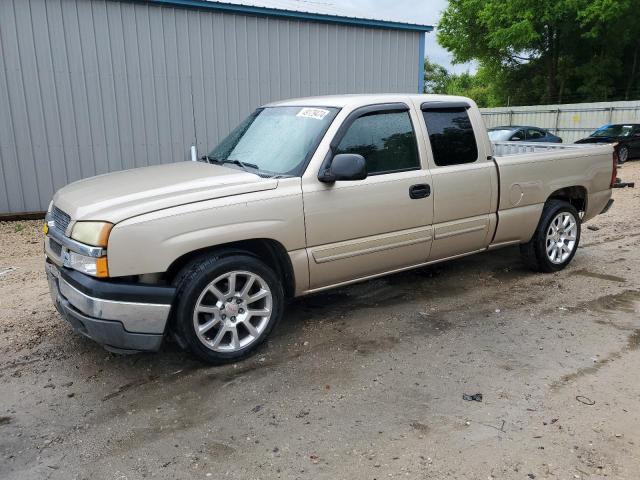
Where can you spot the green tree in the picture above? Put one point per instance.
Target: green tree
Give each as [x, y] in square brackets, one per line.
[438, 80]
[473, 86]
[547, 50]
[612, 30]
[436, 77]
[507, 34]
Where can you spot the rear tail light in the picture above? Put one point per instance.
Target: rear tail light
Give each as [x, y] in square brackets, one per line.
[614, 171]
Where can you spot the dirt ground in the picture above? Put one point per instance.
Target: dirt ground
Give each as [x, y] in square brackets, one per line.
[365, 382]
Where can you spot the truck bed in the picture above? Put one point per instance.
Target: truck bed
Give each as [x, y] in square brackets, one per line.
[502, 149]
[530, 173]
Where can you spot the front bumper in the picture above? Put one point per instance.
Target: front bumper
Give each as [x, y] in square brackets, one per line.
[123, 317]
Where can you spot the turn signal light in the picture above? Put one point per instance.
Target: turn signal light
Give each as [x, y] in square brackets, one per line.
[102, 268]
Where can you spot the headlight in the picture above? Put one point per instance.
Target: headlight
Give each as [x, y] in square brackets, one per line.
[96, 267]
[92, 233]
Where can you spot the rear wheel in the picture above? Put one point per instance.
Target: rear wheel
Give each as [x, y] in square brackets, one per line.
[555, 240]
[227, 306]
[623, 154]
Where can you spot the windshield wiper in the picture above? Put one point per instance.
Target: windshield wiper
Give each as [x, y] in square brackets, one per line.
[211, 159]
[245, 166]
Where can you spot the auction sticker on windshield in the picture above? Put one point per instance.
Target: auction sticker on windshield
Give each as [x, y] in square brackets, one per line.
[316, 113]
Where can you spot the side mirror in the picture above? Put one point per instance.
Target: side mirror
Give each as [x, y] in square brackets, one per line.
[515, 139]
[345, 166]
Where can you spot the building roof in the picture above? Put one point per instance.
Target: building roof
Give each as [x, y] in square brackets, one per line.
[298, 9]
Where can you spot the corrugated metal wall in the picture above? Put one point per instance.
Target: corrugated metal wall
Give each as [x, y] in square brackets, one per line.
[570, 121]
[92, 86]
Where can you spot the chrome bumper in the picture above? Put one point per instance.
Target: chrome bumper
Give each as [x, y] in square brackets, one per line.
[106, 311]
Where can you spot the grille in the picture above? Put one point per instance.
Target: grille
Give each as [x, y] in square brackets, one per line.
[55, 247]
[60, 219]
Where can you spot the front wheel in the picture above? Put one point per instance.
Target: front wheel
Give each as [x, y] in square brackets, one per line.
[227, 306]
[555, 240]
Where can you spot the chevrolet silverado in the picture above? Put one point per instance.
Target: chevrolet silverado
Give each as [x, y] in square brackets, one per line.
[306, 195]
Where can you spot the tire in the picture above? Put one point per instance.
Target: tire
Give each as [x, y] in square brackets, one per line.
[623, 154]
[230, 322]
[555, 240]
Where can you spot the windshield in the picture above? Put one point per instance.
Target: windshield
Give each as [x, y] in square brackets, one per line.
[276, 140]
[613, 131]
[497, 135]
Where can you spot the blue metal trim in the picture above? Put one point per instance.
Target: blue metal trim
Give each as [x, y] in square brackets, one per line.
[421, 43]
[273, 12]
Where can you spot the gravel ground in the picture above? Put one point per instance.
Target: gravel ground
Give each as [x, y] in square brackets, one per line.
[363, 382]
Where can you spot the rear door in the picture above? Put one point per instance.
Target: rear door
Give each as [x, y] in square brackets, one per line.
[366, 227]
[464, 179]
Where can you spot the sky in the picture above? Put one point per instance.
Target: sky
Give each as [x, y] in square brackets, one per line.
[425, 12]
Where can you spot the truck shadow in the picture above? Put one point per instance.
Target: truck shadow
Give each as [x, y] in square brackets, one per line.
[426, 285]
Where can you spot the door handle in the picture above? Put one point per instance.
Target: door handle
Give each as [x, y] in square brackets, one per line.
[421, 190]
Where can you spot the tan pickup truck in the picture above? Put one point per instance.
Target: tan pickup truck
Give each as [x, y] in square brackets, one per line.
[306, 195]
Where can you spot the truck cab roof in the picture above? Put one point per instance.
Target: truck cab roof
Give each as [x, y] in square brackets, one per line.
[358, 100]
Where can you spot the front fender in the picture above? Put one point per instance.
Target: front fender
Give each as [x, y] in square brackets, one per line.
[150, 243]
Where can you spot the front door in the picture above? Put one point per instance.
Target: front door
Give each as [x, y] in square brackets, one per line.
[356, 229]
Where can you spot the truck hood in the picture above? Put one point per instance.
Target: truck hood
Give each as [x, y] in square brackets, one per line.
[114, 197]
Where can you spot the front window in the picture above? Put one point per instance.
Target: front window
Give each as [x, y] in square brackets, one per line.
[275, 140]
[613, 131]
[519, 135]
[385, 140]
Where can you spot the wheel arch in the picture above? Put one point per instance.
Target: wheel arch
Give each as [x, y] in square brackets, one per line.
[268, 250]
[576, 195]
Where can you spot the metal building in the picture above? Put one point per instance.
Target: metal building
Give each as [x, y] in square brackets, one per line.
[93, 86]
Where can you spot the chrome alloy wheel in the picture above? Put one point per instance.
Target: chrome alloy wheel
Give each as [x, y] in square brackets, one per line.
[561, 237]
[232, 311]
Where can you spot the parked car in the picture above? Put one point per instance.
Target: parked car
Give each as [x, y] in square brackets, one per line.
[306, 195]
[522, 134]
[626, 135]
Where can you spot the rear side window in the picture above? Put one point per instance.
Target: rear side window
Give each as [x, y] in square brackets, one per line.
[451, 135]
[386, 141]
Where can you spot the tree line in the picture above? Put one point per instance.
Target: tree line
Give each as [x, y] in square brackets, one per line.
[532, 52]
